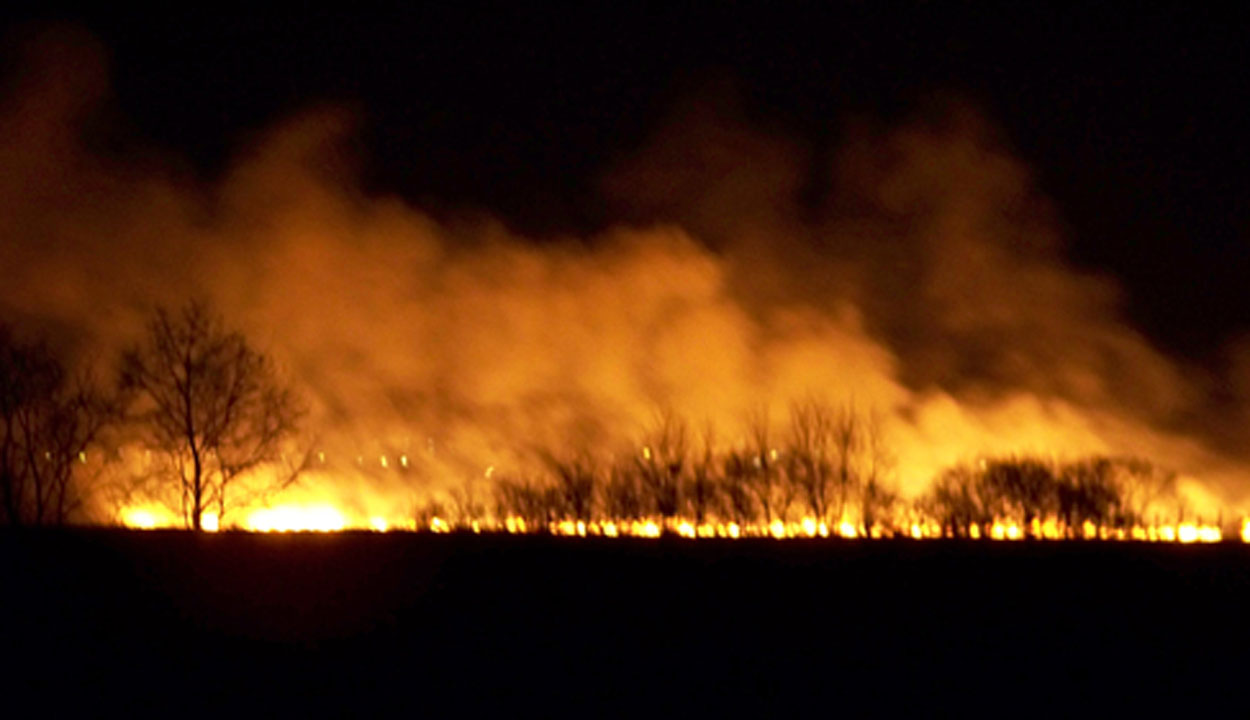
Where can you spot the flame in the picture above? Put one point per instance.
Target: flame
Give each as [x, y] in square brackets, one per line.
[295, 518]
[324, 517]
[147, 517]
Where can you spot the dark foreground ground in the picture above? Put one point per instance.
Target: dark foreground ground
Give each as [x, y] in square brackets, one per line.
[114, 622]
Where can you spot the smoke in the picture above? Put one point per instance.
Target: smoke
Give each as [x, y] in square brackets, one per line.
[927, 284]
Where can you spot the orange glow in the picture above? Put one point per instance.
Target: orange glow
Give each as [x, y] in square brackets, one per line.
[327, 518]
[1187, 533]
[293, 518]
[148, 518]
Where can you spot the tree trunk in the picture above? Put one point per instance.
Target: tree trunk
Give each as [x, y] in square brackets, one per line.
[197, 490]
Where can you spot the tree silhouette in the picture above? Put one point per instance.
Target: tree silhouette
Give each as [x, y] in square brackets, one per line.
[526, 499]
[771, 487]
[622, 495]
[576, 484]
[212, 405]
[48, 420]
[1101, 491]
[662, 464]
[701, 495]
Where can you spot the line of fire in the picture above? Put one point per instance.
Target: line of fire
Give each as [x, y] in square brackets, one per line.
[197, 434]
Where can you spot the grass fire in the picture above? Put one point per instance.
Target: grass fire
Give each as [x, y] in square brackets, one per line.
[688, 361]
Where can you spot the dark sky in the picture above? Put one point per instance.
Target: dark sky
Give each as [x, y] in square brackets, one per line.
[1132, 121]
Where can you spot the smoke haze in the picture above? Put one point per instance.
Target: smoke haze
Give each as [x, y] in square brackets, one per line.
[925, 283]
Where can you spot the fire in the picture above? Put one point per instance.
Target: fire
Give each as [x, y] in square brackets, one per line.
[325, 517]
[147, 518]
[294, 518]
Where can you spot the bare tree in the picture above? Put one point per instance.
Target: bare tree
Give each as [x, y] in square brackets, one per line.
[736, 488]
[701, 492]
[662, 464]
[956, 501]
[878, 494]
[466, 506]
[848, 452]
[808, 456]
[210, 403]
[48, 420]
[622, 496]
[772, 490]
[576, 484]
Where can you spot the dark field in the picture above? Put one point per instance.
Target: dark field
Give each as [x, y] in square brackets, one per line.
[347, 624]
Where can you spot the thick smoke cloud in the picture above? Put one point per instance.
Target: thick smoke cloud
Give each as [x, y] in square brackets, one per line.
[928, 287]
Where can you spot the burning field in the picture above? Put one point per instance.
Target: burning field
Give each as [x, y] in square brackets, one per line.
[761, 412]
[718, 356]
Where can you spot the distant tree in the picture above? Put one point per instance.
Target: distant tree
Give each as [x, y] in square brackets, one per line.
[48, 421]
[1141, 485]
[1101, 491]
[702, 486]
[809, 452]
[576, 484]
[466, 507]
[878, 494]
[662, 464]
[736, 487]
[526, 499]
[209, 403]
[956, 501]
[837, 459]
[1090, 492]
[622, 496]
[1023, 489]
[851, 456]
[771, 487]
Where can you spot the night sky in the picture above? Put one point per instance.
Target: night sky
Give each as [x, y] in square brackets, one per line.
[1131, 121]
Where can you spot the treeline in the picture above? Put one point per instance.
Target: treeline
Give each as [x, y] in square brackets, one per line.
[1099, 493]
[830, 468]
[829, 463]
[211, 409]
